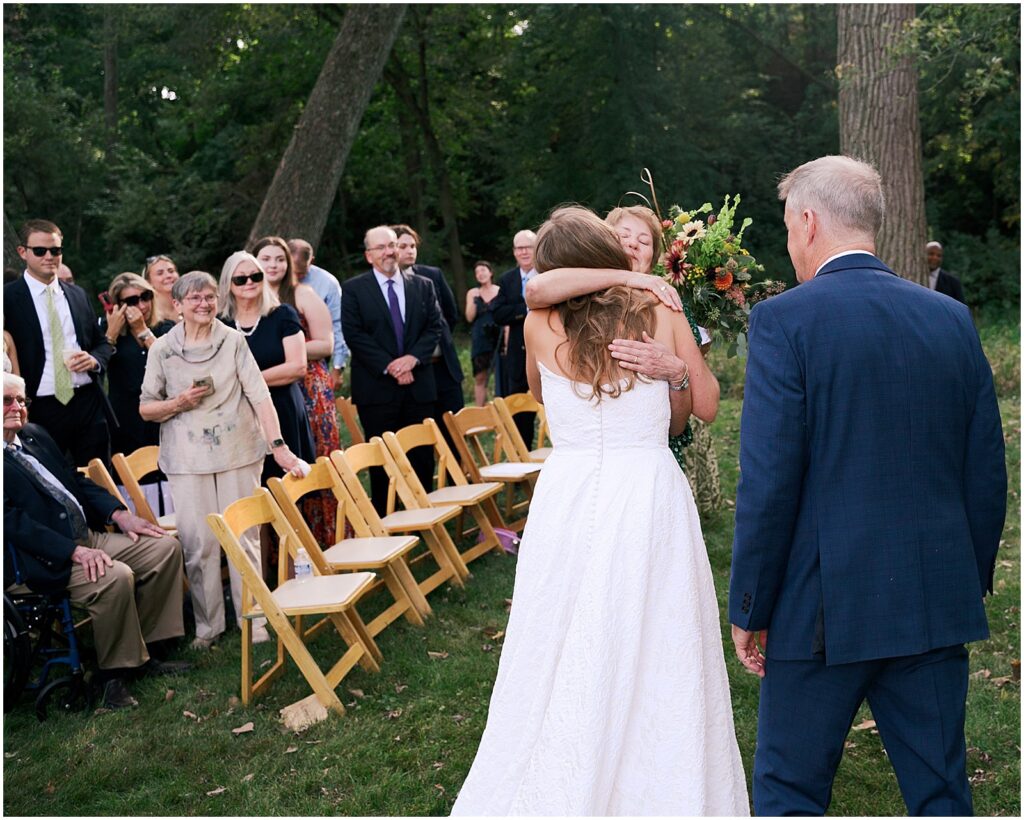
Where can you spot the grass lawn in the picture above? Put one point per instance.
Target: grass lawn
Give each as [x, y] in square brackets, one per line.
[410, 732]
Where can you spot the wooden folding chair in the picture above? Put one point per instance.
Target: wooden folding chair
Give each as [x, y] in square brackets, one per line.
[98, 473]
[387, 555]
[334, 596]
[347, 411]
[469, 427]
[478, 499]
[428, 523]
[511, 406]
[131, 469]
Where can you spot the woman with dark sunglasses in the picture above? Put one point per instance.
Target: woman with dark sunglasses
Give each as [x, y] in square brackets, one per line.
[131, 327]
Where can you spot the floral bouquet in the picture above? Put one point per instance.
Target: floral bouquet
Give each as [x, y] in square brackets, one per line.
[706, 262]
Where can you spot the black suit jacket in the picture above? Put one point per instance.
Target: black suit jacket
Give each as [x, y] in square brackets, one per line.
[948, 284]
[509, 308]
[366, 323]
[36, 524]
[449, 316]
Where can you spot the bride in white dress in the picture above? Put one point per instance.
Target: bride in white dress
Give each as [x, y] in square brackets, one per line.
[612, 696]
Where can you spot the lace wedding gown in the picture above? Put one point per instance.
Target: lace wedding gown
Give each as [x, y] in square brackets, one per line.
[611, 696]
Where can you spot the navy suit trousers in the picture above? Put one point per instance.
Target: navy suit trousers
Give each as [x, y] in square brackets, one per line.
[807, 708]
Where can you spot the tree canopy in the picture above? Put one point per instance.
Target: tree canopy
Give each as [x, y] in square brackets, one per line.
[145, 129]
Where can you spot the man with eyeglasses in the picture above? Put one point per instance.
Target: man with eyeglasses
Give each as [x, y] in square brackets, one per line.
[509, 309]
[55, 528]
[392, 324]
[61, 349]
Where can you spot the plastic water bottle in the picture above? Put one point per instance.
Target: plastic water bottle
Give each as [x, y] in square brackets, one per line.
[303, 566]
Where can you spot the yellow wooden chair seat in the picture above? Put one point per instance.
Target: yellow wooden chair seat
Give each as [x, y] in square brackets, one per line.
[353, 553]
[540, 454]
[319, 594]
[464, 494]
[167, 522]
[509, 470]
[412, 520]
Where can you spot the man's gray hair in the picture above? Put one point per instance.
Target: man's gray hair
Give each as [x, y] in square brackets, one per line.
[194, 281]
[846, 193]
[526, 234]
[15, 381]
[366, 236]
[933, 244]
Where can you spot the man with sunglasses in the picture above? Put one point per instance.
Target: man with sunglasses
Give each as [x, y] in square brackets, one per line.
[61, 350]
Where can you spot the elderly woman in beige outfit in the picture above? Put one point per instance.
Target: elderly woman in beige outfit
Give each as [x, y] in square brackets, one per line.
[217, 422]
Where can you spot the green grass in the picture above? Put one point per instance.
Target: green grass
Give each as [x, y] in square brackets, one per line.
[410, 732]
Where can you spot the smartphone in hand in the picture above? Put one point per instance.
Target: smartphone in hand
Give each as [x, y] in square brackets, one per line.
[108, 305]
[204, 381]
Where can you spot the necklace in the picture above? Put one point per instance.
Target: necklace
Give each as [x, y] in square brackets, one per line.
[251, 330]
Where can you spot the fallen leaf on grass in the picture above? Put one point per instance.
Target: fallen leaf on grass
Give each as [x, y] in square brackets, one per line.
[245, 727]
[9, 755]
[486, 647]
[291, 750]
[458, 718]
[849, 744]
[358, 693]
[1006, 564]
[508, 603]
[248, 777]
[233, 701]
[266, 663]
[190, 715]
[169, 695]
[1015, 669]
[437, 764]
[50, 788]
[982, 673]
[439, 787]
[218, 790]
[313, 743]
[437, 655]
[391, 714]
[401, 687]
[867, 724]
[1002, 681]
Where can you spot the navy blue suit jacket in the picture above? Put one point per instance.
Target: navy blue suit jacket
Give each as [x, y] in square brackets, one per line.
[873, 480]
[370, 335]
[449, 316]
[36, 524]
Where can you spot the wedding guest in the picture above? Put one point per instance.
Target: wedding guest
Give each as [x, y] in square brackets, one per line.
[217, 423]
[274, 256]
[161, 272]
[392, 344]
[61, 351]
[132, 329]
[484, 330]
[328, 288]
[55, 522]
[445, 359]
[65, 274]
[274, 334]
[10, 355]
[869, 511]
[940, 280]
[509, 309]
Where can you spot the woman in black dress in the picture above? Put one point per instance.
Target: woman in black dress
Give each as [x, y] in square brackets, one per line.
[278, 344]
[485, 331]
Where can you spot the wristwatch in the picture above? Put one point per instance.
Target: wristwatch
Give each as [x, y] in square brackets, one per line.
[277, 442]
[147, 333]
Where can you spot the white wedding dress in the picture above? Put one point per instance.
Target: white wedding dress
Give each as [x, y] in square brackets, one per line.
[611, 696]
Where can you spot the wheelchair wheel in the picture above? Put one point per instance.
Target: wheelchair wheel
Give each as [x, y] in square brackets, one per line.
[71, 693]
[17, 654]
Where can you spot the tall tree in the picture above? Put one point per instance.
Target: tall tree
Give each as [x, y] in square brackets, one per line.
[879, 122]
[298, 201]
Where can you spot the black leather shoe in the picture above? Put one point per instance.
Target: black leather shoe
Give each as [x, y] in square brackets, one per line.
[158, 668]
[117, 696]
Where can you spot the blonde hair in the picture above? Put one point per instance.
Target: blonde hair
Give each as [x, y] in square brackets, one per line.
[574, 237]
[126, 280]
[226, 299]
[647, 216]
[846, 193]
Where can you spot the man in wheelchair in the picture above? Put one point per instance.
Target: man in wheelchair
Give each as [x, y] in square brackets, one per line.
[55, 519]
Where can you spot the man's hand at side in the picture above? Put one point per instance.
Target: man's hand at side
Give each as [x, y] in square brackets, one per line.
[94, 562]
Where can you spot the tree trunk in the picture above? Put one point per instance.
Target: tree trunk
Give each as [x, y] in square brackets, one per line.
[109, 75]
[879, 123]
[306, 181]
[11, 242]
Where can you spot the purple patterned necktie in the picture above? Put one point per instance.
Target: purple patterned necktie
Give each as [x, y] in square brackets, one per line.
[396, 316]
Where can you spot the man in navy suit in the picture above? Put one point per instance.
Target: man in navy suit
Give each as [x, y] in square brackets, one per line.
[392, 324]
[447, 370]
[61, 351]
[509, 309]
[940, 280]
[870, 505]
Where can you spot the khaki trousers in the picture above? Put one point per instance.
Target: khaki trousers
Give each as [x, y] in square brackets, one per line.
[137, 602]
[195, 497]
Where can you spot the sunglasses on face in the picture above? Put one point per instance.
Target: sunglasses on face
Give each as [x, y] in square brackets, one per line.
[9, 400]
[241, 279]
[133, 301]
[41, 251]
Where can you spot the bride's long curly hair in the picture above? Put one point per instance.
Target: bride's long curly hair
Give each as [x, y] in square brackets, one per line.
[575, 237]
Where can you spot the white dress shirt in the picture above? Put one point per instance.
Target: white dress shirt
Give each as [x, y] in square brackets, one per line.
[933, 278]
[38, 292]
[399, 281]
[836, 256]
[48, 478]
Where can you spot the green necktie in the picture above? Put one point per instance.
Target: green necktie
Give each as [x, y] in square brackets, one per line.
[63, 390]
